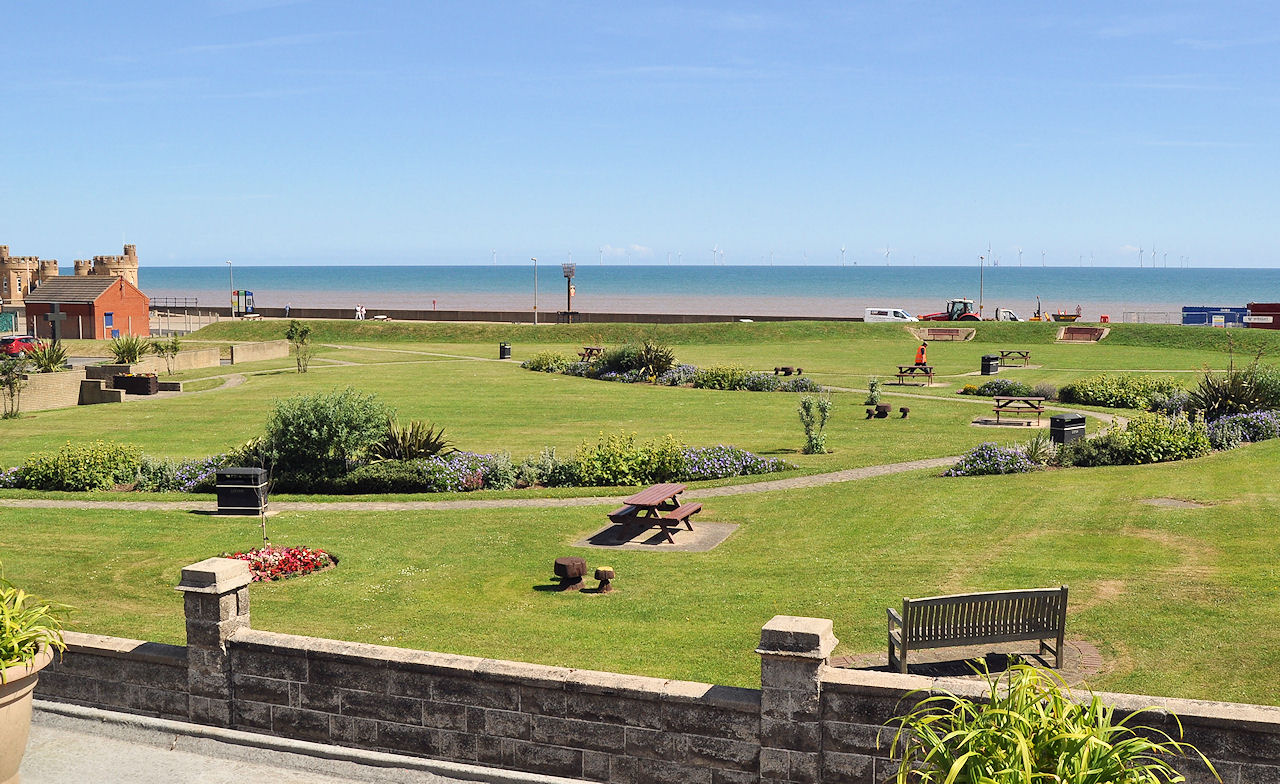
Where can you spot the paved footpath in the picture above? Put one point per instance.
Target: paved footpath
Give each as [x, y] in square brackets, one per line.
[70, 743]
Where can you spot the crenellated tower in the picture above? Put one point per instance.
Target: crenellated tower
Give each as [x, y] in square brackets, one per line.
[18, 274]
[125, 266]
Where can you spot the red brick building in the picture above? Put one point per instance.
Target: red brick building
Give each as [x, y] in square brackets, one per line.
[96, 307]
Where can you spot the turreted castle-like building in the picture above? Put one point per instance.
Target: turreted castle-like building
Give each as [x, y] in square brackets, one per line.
[19, 275]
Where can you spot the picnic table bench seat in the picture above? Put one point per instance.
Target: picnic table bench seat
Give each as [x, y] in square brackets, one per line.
[915, 371]
[977, 619]
[624, 513]
[682, 513]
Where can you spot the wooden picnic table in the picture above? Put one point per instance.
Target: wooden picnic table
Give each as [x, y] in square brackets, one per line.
[589, 353]
[1019, 406]
[915, 371]
[1014, 354]
[657, 506]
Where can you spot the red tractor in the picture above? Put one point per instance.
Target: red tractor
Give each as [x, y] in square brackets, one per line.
[957, 310]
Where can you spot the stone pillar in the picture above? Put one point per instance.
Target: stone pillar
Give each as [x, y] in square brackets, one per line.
[216, 604]
[793, 652]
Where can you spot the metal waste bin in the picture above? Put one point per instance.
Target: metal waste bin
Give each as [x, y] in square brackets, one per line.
[990, 364]
[1065, 428]
[504, 351]
[241, 490]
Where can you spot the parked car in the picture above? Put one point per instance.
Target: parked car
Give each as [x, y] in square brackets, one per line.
[19, 345]
[887, 314]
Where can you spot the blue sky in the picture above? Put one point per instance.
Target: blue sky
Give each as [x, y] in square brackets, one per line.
[269, 131]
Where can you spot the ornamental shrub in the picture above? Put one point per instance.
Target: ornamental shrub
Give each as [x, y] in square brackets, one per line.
[814, 413]
[1146, 438]
[384, 476]
[989, 458]
[678, 376]
[1045, 390]
[761, 382]
[1029, 727]
[621, 359]
[93, 466]
[548, 362]
[720, 377]
[1171, 403]
[969, 389]
[722, 461]
[875, 387]
[618, 459]
[1116, 391]
[1003, 386]
[11, 478]
[182, 476]
[1231, 431]
[319, 436]
[546, 468]
[801, 384]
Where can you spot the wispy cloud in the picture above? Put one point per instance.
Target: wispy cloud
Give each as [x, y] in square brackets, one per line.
[626, 250]
[300, 39]
[1209, 144]
[1145, 26]
[1172, 82]
[228, 7]
[1218, 44]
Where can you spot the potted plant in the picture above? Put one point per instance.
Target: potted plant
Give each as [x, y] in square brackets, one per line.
[30, 632]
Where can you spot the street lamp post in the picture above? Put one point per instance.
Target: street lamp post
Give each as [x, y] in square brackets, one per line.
[231, 284]
[534, 259]
[981, 267]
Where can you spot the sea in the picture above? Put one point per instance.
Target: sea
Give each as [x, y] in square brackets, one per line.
[1122, 293]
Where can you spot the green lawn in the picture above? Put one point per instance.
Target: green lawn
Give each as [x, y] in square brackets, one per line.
[1165, 593]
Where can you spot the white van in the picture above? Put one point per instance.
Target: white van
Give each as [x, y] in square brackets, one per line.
[888, 314]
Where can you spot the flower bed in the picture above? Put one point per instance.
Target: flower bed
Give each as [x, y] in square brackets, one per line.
[280, 563]
[988, 458]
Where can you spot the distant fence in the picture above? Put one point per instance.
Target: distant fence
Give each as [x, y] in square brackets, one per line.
[512, 316]
[1150, 317]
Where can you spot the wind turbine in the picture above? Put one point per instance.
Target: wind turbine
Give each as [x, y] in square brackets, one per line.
[887, 251]
[715, 253]
[771, 257]
[679, 257]
[841, 255]
[1041, 258]
[601, 256]
[1019, 256]
[1139, 257]
[494, 251]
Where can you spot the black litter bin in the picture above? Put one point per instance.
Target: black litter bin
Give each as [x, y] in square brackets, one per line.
[504, 351]
[241, 490]
[1065, 428]
[990, 364]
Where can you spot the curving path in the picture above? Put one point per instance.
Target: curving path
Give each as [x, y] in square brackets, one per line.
[790, 483]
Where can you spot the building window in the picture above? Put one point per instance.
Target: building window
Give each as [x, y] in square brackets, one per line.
[108, 320]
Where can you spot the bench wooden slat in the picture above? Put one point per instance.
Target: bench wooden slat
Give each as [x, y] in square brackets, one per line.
[683, 512]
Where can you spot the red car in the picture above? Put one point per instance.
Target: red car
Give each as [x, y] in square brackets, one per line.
[18, 345]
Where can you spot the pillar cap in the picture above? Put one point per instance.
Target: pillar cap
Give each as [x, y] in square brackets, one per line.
[215, 575]
[790, 635]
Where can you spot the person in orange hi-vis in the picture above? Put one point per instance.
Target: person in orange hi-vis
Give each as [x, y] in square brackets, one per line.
[920, 357]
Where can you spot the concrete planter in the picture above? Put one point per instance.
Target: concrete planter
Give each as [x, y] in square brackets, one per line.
[15, 712]
[136, 385]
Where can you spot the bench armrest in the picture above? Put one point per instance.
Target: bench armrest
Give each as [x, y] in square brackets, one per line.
[894, 618]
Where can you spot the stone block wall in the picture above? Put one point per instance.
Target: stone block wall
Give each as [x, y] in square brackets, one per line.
[95, 390]
[184, 360]
[130, 675]
[808, 723]
[251, 352]
[51, 390]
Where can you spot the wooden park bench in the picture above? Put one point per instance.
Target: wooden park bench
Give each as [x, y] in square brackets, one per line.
[1082, 334]
[914, 372]
[589, 353]
[1018, 406]
[978, 619]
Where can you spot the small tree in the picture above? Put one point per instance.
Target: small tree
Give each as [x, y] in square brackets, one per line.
[11, 383]
[166, 350]
[320, 436]
[814, 413]
[299, 335]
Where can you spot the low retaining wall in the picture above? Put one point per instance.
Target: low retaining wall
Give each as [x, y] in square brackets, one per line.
[525, 316]
[184, 360]
[96, 390]
[44, 391]
[251, 352]
[808, 722]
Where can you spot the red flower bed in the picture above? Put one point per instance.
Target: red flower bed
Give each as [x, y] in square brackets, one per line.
[278, 563]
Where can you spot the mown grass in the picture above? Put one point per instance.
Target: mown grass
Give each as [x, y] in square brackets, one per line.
[1165, 593]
